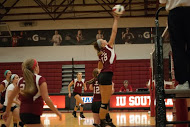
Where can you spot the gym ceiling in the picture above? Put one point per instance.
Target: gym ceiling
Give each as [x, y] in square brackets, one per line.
[36, 10]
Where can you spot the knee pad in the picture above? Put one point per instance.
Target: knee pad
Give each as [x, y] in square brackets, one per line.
[104, 106]
[77, 106]
[82, 105]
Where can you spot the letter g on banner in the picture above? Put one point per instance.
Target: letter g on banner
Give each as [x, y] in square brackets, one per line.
[35, 37]
[146, 35]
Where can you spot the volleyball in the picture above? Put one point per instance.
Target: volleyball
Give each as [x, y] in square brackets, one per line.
[118, 9]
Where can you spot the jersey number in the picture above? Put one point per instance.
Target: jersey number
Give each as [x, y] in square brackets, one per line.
[96, 90]
[22, 86]
[79, 85]
[104, 57]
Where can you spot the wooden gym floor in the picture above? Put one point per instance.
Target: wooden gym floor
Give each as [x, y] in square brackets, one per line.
[121, 119]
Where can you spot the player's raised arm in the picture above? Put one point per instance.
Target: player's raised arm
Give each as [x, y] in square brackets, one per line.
[114, 31]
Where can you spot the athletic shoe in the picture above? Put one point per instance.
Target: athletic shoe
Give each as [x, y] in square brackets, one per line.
[96, 125]
[105, 123]
[74, 114]
[81, 115]
[108, 119]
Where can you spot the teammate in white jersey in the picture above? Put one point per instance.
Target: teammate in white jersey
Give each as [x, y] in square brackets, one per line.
[14, 109]
[3, 86]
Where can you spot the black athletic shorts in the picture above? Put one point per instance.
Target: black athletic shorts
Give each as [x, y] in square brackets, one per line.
[2, 100]
[96, 106]
[28, 118]
[105, 78]
[74, 93]
[12, 108]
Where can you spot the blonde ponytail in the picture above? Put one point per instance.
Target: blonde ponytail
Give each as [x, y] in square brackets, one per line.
[28, 74]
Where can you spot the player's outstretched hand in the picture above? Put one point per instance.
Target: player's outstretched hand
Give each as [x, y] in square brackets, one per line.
[116, 16]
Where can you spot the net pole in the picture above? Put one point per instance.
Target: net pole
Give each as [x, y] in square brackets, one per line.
[152, 88]
[159, 77]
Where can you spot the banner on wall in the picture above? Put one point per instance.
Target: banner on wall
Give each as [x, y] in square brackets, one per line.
[116, 101]
[87, 99]
[58, 101]
[141, 35]
[134, 101]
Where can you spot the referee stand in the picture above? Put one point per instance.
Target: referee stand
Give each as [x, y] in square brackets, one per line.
[161, 94]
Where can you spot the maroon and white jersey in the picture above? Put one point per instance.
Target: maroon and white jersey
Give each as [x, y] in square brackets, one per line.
[108, 58]
[78, 85]
[34, 103]
[96, 91]
[5, 83]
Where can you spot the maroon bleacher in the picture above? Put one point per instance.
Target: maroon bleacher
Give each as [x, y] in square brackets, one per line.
[135, 71]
